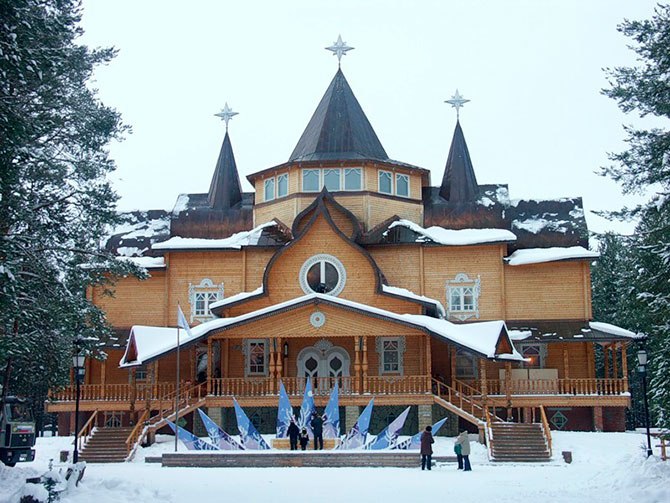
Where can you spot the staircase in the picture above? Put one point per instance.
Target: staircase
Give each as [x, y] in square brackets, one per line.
[106, 445]
[519, 442]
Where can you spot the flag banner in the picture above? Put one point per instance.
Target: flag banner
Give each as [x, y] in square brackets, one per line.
[181, 321]
[414, 442]
[219, 438]
[358, 434]
[249, 436]
[388, 437]
[285, 412]
[331, 417]
[191, 442]
[308, 408]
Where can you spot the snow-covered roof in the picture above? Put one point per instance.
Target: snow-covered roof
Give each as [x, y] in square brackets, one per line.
[479, 337]
[139, 230]
[614, 330]
[236, 298]
[403, 292]
[451, 237]
[146, 262]
[539, 255]
[234, 242]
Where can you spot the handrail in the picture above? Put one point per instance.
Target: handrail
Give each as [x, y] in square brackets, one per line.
[135, 433]
[86, 430]
[489, 434]
[473, 391]
[545, 427]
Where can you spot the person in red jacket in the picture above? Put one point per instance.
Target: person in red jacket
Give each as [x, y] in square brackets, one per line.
[427, 442]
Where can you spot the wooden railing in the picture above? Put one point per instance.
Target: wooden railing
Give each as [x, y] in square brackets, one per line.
[187, 395]
[460, 396]
[545, 427]
[86, 430]
[489, 434]
[131, 441]
[398, 385]
[114, 392]
[577, 386]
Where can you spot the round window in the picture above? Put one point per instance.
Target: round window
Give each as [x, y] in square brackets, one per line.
[323, 274]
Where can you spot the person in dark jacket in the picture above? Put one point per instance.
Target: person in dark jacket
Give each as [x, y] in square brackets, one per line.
[427, 442]
[317, 429]
[304, 438]
[293, 432]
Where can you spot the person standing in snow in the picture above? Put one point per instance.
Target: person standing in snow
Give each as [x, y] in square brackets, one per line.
[304, 438]
[293, 432]
[317, 429]
[464, 442]
[427, 442]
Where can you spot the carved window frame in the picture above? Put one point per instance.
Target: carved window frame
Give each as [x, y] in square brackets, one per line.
[246, 350]
[460, 282]
[206, 286]
[402, 347]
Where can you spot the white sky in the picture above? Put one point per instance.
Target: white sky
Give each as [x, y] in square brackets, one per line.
[533, 70]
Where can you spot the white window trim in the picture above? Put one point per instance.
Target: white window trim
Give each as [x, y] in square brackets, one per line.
[402, 346]
[379, 182]
[344, 179]
[246, 350]
[403, 175]
[323, 178]
[302, 179]
[463, 280]
[542, 353]
[265, 189]
[282, 175]
[206, 285]
[323, 257]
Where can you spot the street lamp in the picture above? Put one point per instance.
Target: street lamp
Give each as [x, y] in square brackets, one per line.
[642, 359]
[78, 362]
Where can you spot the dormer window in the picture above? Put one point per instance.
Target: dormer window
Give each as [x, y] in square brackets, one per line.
[282, 185]
[269, 189]
[385, 182]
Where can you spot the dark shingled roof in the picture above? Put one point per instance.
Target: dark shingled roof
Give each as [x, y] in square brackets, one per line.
[338, 129]
[139, 230]
[544, 331]
[459, 182]
[225, 190]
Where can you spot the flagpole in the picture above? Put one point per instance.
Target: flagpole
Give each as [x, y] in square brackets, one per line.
[176, 398]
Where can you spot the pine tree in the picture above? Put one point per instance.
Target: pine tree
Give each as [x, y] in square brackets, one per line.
[645, 166]
[56, 202]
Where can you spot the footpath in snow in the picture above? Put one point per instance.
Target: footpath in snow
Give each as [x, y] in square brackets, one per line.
[606, 467]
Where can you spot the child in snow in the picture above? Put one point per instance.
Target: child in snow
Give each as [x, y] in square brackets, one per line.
[463, 442]
[304, 438]
[427, 442]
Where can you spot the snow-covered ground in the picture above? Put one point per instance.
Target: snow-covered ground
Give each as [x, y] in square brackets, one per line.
[606, 467]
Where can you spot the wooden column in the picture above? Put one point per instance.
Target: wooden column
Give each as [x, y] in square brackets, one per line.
[357, 364]
[279, 361]
[566, 363]
[155, 383]
[624, 367]
[429, 364]
[148, 388]
[606, 357]
[191, 360]
[615, 362]
[482, 373]
[590, 359]
[452, 357]
[508, 388]
[226, 362]
[210, 364]
[273, 367]
[364, 365]
[103, 377]
[133, 394]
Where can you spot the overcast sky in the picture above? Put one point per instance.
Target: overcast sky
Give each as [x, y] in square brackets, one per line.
[533, 70]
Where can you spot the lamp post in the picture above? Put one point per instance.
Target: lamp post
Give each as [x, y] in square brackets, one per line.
[642, 359]
[78, 361]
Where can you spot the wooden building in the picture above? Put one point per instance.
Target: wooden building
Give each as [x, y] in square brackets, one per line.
[345, 265]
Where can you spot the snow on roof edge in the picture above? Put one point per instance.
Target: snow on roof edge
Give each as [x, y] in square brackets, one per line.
[236, 297]
[404, 292]
[461, 237]
[234, 242]
[614, 330]
[554, 254]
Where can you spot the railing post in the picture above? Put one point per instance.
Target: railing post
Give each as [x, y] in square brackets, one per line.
[357, 364]
[624, 367]
[210, 364]
[364, 366]
[508, 389]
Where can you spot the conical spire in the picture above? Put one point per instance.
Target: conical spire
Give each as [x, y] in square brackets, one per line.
[338, 129]
[225, 190]
[459, 182]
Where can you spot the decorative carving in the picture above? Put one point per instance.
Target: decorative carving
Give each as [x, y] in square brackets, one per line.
[323, 345]
[317, 319]
[245, 352]
[206, 285]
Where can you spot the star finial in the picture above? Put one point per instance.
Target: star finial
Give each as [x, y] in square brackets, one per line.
[226, 114]
[339, 49]
[457, 101]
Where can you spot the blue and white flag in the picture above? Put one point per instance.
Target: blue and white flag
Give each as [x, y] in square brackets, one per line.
[285, 412]
[388, 437]
[181, 321]
[191, 442]
[414, 442]
[331, 417]
[249, 436]
[308, 408]
[358, 434]
[219, 438]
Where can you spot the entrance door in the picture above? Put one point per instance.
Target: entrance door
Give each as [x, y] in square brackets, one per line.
[325, 366]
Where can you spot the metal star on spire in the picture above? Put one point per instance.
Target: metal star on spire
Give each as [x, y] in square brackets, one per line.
[457, 101]
[226, 114]
[339, 49]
